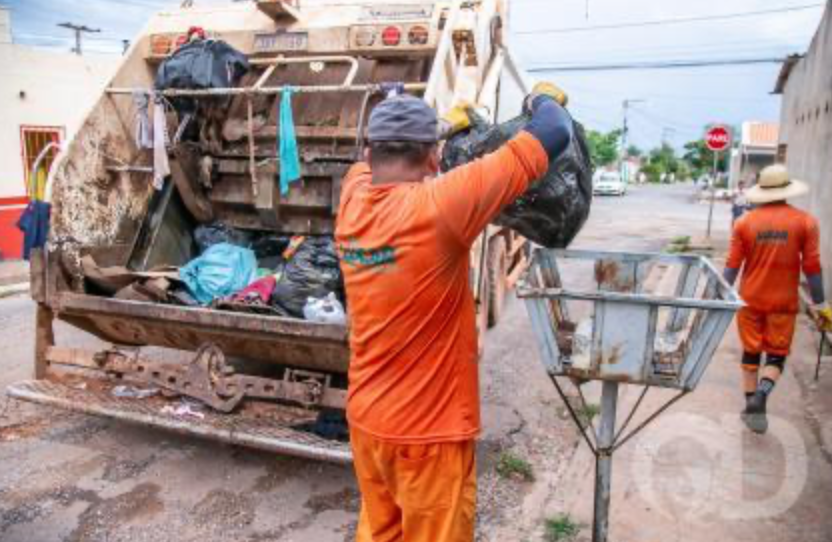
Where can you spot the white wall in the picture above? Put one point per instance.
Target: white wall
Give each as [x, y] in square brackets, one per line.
[806, 130]
[58, 90]
[5, 25]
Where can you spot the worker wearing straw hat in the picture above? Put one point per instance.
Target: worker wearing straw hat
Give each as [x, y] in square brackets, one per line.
[771, 245]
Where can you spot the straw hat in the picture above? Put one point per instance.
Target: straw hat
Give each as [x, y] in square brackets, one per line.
[775, 185]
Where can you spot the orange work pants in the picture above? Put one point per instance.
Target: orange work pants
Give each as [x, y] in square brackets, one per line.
[414, 492]
[767, 332]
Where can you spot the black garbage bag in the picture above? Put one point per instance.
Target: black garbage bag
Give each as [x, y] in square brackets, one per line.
[554, 209]
[312, 272]
[202, 64]
[270, 245]
[208, 235]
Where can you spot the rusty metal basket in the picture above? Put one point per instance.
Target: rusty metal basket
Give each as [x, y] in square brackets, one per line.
[652, 319]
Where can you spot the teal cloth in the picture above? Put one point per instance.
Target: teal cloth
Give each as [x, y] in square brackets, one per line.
[288, 143]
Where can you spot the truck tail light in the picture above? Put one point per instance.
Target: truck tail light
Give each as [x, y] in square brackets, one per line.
[391, 36]
[365, 37]
[160, 45]
[418, 35]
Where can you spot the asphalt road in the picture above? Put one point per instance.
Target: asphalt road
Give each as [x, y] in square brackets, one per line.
[67, 477]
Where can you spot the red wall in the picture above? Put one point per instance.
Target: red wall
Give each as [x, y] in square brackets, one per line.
[11, 238]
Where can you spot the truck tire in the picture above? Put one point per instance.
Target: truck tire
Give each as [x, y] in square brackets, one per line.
[497, 268]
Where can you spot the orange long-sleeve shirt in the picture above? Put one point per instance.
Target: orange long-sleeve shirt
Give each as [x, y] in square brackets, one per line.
[404, 251]
[772, 244]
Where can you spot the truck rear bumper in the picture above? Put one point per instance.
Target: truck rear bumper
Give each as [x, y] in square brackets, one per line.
[273, 433]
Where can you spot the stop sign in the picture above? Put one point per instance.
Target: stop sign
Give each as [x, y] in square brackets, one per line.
[718, 138]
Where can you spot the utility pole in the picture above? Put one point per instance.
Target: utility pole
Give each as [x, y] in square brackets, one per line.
[625, 129]
[79, 29]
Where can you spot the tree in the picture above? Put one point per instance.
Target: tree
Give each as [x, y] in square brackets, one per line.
[603, 147]
[701, 158]
[634, 152]
[662, 163]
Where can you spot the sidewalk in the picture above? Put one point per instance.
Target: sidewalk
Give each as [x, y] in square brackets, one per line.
[14, 277]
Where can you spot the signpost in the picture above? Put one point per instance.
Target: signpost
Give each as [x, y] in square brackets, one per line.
[717, 139]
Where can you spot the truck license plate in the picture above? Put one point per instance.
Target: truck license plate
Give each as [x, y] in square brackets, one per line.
[281, 41]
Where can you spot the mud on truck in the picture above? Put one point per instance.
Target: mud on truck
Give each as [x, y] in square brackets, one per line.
[121, 230]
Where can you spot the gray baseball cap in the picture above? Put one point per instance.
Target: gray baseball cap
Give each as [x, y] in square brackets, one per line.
[403, 118]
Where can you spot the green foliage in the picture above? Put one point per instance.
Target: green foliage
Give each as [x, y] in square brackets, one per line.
[561, 528]
[701, 158]
[634, 152]
[588, 412]
[603, 147]
[662, 163]
[510, 465]
[679, 245]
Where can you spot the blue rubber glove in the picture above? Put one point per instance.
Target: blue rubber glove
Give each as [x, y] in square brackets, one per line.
[551, 125]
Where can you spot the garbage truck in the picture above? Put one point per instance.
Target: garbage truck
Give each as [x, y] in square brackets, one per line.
[127, 215]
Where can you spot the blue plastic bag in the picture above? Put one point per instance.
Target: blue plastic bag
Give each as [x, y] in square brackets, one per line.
[222, 270]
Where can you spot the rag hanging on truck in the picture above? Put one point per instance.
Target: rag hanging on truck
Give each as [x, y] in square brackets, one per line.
[554, 209]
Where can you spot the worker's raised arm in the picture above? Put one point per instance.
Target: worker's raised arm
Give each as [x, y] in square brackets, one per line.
[470, 196]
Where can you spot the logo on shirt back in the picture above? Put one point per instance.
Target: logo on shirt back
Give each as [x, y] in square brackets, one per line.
[379, 259]
[773, 236]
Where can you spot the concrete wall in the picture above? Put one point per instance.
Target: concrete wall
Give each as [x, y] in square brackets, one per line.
[39, 88]
[5, 25]
[806, 132]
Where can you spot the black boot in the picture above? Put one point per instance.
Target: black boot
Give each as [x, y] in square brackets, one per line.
[754, 414]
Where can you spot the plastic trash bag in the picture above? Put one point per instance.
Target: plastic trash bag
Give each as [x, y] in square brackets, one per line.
[313, 271]
[267, 245]
[554, 209]
[327, 310]
[208, 235]
[223, 270]
[202, 64]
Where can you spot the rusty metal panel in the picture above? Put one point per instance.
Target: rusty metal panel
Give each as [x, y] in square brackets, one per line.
[623, 333]
[166, 234]
[37, 275]
[270, 339]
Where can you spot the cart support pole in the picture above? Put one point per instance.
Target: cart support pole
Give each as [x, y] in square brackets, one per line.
[603, 461]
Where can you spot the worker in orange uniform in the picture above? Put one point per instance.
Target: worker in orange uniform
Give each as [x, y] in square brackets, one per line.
[404, 236]
[771, 244]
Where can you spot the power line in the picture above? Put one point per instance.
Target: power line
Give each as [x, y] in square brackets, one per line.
[655, 65]
[731, 48]
[662, 22]
[18, 35]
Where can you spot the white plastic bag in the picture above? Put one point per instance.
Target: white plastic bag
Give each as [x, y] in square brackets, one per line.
[326, 310]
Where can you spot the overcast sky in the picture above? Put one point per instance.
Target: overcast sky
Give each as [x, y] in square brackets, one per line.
[678, 102]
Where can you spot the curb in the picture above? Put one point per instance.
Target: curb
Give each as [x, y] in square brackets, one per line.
[14, 289]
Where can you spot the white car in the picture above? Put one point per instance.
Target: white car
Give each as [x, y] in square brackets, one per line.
[609, 183]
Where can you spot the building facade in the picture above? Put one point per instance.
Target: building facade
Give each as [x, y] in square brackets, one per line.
[44, 96]
[757, 149]
[806, 129]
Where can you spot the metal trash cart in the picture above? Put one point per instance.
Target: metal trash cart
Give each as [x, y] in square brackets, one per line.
[652, 320]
